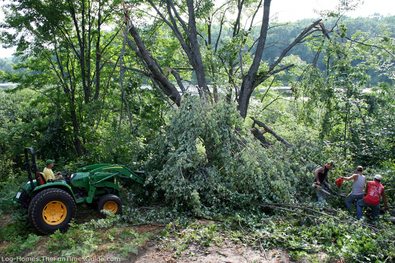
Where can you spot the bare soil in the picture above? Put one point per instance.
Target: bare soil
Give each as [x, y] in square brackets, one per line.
[158, 251]
[5, 219]
[228, 252]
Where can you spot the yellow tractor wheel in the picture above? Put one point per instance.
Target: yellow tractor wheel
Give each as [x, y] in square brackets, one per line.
[52, 209]
[110, 203]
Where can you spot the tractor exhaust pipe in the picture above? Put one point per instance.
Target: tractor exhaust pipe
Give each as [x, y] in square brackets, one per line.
[29, 168]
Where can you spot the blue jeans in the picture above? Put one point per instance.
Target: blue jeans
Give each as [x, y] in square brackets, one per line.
[321, 195]
[361, 204]
[350, 199]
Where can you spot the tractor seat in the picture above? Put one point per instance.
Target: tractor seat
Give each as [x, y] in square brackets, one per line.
[40, 178]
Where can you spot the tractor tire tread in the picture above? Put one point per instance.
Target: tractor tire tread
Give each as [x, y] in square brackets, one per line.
[109, 197]
[42, 196]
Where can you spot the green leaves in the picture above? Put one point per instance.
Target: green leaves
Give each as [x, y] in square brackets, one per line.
[339, 99]
[206, 160]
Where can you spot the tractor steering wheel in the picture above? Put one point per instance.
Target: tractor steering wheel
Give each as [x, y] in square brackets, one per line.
[67, 178]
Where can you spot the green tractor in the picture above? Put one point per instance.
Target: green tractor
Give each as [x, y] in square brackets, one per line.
[52, 205]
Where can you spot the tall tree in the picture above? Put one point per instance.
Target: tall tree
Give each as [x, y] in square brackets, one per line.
[71, 36]
[233, 52]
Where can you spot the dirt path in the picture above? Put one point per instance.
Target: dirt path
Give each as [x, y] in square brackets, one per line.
[159, 250]
[228, 252]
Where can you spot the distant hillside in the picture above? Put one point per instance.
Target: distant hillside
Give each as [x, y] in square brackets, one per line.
[281, 34]
[7, 66]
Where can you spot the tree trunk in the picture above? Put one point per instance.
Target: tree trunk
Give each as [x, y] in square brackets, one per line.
[165, 85]
[247, 85]
[195, 50]
[98, 55]
[79, 149]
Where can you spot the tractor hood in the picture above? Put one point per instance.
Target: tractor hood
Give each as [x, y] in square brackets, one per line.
[96, 173]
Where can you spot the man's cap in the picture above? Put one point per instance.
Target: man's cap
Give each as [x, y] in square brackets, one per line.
[378, 177]
[359, 168]
[49, 161]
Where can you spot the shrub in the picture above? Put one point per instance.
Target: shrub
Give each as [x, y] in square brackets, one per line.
[6, 169]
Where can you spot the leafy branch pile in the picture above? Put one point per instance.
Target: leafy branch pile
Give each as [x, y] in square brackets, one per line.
[206, 160]
[304, 238]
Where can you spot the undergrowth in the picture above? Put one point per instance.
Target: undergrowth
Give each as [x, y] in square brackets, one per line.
[310, 239]
[100, 237]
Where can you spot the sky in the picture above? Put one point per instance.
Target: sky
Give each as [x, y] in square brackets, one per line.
[293, 10]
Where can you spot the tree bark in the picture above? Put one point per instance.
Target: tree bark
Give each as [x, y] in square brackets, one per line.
[76, 127]
[248, 81]
[81, 42]
[259, 135]
[182, 23]
[269, 130]
[195, 50]
[166, 86]
[98, 55]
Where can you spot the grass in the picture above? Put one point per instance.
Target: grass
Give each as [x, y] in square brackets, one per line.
[100, 237]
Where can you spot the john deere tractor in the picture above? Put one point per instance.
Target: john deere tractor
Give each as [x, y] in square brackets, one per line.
[52, 205]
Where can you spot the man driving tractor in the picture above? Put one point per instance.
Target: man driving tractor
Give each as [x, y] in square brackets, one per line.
[48, 173]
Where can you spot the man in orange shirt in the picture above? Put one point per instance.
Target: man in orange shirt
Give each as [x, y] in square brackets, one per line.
[374, 192]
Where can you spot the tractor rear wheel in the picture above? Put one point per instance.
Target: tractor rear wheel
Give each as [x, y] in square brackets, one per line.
[110, 203]
[52, 209]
